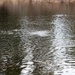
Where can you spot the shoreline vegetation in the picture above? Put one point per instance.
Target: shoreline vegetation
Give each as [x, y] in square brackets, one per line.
[36, 7]
[18, 2]
[27, 1]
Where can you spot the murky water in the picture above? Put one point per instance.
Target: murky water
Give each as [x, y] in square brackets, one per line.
[37, 39]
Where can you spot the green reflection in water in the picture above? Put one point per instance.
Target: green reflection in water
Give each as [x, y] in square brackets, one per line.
[8, 21]
[10, 47]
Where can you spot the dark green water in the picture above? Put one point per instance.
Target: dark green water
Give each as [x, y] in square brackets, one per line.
[37, 40]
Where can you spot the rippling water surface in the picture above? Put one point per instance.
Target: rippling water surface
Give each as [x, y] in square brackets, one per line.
[37, 39]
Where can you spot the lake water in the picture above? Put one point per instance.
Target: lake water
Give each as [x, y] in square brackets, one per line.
[37, 39]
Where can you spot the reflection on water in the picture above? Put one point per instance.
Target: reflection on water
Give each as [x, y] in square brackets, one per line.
[10, 49]
[37, 42]
[39, 33]
[63, 43]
